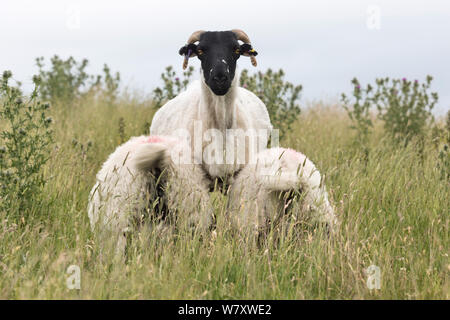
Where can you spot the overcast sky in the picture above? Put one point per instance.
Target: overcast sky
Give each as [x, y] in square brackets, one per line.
[320, 44]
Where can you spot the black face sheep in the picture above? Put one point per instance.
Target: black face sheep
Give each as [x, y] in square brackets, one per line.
[216, 106]
[215, 111]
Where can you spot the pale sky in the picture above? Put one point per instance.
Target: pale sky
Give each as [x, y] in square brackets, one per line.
[320, 44]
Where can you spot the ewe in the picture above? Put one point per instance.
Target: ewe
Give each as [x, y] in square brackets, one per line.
[128, 184]
[215, 106]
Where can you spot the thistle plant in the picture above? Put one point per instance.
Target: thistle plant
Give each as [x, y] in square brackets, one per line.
[67, 80]
[359, 109]
[25, 139]
[404, 107]
[444, 163]
[280, 97]
[121, 130]
[447, 126]
[172, 85]
[64, 80]
[444, 154]
[111, 84]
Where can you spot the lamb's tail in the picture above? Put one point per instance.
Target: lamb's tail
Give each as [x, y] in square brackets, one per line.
[283, 169]
[149, 156]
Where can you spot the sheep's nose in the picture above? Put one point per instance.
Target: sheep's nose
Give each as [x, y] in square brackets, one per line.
[220, 78]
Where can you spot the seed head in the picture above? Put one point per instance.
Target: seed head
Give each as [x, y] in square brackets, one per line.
[36, 80]
[7, 74]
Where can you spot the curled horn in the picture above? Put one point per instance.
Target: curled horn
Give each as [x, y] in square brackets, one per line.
[195, 36]
[192, 39]
[241, 35]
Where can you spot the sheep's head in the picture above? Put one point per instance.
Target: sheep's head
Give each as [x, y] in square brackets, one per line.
[218, 52]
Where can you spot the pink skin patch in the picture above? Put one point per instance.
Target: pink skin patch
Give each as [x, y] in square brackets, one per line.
[291, 158]
[292, 153]
[152, 139]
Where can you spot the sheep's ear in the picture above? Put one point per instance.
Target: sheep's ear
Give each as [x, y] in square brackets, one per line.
[188, 51]
[247, 50]
[184, 50]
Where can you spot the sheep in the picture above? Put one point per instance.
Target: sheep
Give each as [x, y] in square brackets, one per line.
[129, 183]
[202, 124]
[125, 186]
[281, 184]
[216, 106]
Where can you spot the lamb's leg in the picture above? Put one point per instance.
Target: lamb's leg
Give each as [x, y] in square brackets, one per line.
[109, 213]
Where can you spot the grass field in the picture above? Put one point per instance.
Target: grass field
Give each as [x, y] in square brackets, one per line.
[393, 210]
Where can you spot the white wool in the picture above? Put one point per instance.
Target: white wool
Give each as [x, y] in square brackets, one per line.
[125, 186]
[237, 109]
[254, 195]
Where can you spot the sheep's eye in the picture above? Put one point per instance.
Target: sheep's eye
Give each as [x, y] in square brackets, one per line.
[199, 52]
[237, 51]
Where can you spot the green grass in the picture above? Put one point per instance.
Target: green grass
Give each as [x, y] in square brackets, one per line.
[393, 211]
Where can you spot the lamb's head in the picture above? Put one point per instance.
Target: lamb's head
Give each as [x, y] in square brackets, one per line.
[218, 52]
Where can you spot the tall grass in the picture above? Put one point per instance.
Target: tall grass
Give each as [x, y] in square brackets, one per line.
[394, 213]
[392, 204]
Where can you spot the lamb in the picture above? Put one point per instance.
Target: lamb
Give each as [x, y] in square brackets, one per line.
[216, 108]
[282, 184]
[141, 171]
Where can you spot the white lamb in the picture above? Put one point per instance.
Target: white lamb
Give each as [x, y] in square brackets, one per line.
[146, 177]
[282, 184]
